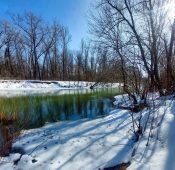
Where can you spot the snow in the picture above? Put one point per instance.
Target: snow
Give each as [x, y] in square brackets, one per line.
[104, 142]
[36, 85]
[160, 152]
[83, 144]
[10, 88]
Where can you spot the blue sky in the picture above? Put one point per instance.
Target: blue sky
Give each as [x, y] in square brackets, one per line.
[70, 13]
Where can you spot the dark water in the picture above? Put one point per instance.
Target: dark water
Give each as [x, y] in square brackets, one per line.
[32, 111]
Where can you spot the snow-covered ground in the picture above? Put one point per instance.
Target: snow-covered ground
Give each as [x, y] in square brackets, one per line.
[93, 144]
[160, 153]
[84, 144]
[39, 85]
[10, 88]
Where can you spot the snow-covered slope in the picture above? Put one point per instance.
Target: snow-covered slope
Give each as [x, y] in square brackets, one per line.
[78, 145]
[37, 85]
[10, 88]
[160, 153]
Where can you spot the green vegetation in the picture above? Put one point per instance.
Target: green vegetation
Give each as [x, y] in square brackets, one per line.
[33, 111]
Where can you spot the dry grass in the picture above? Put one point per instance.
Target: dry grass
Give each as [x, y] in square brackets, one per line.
[8, 134]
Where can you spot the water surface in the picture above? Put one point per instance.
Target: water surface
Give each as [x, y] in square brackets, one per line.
[31, 110]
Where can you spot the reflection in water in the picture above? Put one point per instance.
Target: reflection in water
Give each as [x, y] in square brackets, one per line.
[35, 110]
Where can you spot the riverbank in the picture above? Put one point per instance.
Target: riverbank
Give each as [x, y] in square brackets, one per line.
[12, 88]
[102, 142]
[83, 144]
[41, 85]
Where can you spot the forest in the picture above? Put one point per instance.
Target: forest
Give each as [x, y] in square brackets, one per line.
[32, 49]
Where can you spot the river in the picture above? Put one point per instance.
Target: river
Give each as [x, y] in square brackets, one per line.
[33, 110]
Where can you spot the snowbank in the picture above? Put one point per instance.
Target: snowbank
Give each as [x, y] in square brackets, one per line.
[10, 88]
[36, 85]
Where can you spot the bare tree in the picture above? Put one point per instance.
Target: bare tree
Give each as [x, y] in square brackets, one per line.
[140, 26]
[65, 39]
[33, 31]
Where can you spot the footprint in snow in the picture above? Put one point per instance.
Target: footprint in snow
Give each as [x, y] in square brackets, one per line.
[34, 160]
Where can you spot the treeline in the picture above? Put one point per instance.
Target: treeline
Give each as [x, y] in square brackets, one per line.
[133, 42]
[33, 49]
[141, 36]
